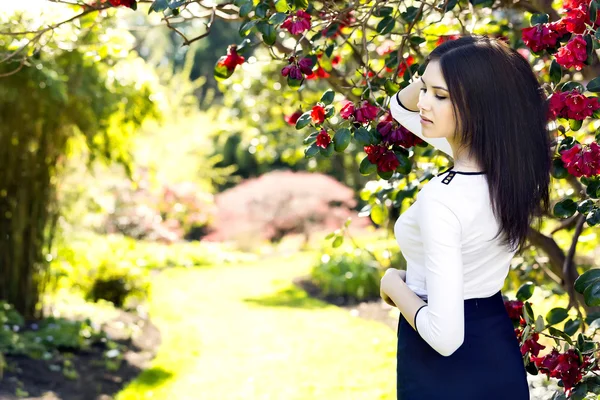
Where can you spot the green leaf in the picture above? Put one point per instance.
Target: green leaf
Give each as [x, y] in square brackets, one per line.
[593, 218]
[556, 315]
[304, 120]
[281, 6]
[329, 111]
[391, 88]
[585, 206]
[311, 150]
[587, 279]
[247, 27]
[555, 71]
[385, 175]
[379, 214]
[538, 19]
[277, 18]
[594, 85]
[528, 312]
[539, 323]
[383, 11]
[386, 25]
[556, 332]
[405, 165]
[417, 40]
[362, 136]
[294, 83]
[594, 325]
[341, 139]
[575, 124]
[570, 85]
[565, 208]
[525, 291]
[558, 169]
[593, 12]
[366, 168]
[592, 294]
[303, 4]
[311, 138]
[329, 235]
[268, 32]
[337, 242]
[246, 8]
[327, 97]
[571, 327]
[261, 10]
[158, 5]
[221, 72]
[410, 14]
[328, 151]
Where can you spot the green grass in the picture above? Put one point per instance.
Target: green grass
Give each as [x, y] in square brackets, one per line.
[245, 332]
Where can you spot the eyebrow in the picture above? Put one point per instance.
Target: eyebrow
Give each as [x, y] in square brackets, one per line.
[436, 87]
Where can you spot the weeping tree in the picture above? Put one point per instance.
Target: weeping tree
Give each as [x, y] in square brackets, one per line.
[83, 84]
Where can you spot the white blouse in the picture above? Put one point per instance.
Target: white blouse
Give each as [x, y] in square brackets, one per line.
[445, 237]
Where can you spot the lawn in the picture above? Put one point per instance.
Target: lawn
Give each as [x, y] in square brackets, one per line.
[246, 332]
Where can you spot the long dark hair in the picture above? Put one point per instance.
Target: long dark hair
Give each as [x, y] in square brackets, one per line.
[501, 112]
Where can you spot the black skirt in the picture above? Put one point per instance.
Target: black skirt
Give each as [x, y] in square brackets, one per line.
[488, 365]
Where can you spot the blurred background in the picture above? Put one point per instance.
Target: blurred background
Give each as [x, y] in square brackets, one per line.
[168, 237]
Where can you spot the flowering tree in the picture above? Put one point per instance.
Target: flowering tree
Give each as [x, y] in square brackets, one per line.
[345, 59]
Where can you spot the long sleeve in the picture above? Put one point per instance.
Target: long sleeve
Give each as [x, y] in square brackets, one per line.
[441, 322]
[412, 121]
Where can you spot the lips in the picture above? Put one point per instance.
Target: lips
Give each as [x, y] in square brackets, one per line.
[426, 119]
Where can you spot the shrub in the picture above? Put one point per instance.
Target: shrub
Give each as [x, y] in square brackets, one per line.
[351, 275]
[282, 202]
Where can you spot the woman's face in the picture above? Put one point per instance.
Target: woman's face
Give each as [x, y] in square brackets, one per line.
[435, 105]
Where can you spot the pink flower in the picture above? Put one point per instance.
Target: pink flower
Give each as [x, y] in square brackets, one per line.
[232, 59]
[347, 110]
[297, 23]
[366, 113]
[573, 54]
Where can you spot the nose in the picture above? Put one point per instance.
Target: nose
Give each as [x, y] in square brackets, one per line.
[423, 105]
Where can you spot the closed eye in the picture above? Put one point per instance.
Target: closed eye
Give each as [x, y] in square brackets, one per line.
[439, 97]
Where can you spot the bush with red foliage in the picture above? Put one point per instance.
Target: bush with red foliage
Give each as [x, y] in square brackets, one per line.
[283, 202]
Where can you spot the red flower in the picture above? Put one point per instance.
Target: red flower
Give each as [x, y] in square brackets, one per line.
[319, 73]
[366, 113]
[446, 38]
[125, 3]
[514, 309]
[388, 162]
[318, 114]
[323, 139]
[531, 345]
[335, 61]
[374, 153]
[573, 54]
[564, 366]
[297, 23]
[576, 19]
[539, 37]
[347, 110]
[581, 161]
[232, 59]
[291, 119]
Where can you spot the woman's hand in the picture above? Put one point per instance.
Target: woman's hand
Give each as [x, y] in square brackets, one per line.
[391, 278]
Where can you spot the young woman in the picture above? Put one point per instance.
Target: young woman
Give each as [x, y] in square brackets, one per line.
[479, 102]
